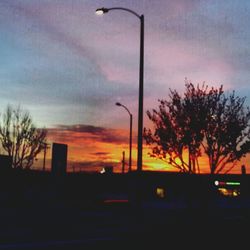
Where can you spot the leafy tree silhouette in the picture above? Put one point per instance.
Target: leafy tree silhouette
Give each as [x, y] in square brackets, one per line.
[203, 121]
[19, 137]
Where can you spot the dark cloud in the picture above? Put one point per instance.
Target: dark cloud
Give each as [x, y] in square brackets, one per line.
[102, 156]
[82, 128]
[96, 133]
[101, 153]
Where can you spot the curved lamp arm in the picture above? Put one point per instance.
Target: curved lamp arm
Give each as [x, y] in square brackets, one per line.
[101, 11]
[121, 105]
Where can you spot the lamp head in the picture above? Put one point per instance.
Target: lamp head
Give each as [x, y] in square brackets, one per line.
[101, 11]
[118, 104]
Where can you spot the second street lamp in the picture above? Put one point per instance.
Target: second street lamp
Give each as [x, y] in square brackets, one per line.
[101, 11]
[130, 134]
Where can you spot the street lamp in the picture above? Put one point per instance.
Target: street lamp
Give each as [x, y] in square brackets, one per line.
[101, 11]
[130, 134]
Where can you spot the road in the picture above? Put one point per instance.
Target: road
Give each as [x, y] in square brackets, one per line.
[118, 226]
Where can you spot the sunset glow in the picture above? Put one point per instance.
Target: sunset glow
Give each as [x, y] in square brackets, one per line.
[91, 149]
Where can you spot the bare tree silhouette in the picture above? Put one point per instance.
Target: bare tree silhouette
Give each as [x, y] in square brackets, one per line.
[19, 137]
[203, 121]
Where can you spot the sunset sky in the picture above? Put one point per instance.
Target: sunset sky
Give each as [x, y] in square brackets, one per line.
[68, 67]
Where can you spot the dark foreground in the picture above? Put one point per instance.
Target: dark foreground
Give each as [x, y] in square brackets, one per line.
[47, 216]
[117, 226]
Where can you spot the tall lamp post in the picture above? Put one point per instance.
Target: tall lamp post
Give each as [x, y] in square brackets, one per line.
[130, 134]
[101, 11]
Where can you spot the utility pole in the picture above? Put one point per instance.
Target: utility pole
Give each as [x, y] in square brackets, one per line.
[123, 162]
[45, 147]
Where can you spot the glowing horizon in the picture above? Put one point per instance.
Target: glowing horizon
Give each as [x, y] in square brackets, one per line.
[92, 148]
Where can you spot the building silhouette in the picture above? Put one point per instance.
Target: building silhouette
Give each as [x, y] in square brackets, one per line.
[59, 158]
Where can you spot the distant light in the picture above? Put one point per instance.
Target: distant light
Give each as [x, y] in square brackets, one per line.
[160, 192]
[233, 183]
[102, 171]
[226, 183]
[229, 192]
[116, 201]
[235, 193]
